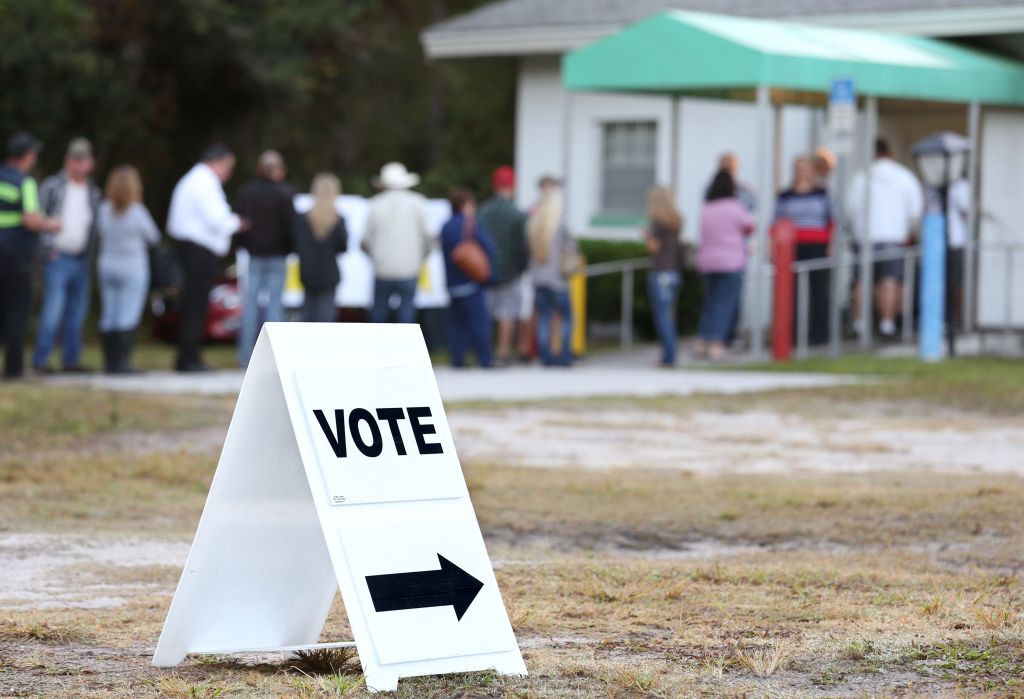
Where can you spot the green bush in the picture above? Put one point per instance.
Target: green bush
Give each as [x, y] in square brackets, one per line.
[604, 293]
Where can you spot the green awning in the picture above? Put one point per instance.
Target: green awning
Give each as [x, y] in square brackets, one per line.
[691, 52]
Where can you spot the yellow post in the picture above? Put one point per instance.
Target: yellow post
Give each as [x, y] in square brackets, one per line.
[578, 299]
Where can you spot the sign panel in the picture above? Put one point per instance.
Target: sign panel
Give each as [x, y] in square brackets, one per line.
[339, 470]
[380, 435]
[842, 115]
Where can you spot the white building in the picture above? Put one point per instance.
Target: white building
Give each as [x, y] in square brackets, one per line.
[610, 148]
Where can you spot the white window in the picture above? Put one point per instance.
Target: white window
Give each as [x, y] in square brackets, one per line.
[629, 164]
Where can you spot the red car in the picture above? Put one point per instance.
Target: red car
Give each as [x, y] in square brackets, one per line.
[223, 317]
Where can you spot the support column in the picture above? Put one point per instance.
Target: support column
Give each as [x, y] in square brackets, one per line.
[970, 245]
[673, 172]
[765, 166]
[867, 281]
[567, 117]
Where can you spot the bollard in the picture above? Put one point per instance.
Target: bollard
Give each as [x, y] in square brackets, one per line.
[933, 286]
[783, 237]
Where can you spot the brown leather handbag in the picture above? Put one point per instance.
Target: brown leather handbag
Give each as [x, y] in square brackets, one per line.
[469, 255]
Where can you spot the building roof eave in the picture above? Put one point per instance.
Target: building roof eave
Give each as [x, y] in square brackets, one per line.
[511, 42]
[443, 42]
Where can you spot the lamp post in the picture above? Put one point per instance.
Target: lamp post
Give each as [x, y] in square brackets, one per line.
[940, 159]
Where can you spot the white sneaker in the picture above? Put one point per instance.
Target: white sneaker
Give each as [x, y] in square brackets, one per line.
[887, 328]
[858, 327]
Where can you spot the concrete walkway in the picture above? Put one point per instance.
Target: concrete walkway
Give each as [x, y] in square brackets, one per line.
[599, 378]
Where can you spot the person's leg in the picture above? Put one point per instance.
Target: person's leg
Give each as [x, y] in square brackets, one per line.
[527, 318]
[543, 297]
[200, 270]
[407, 300]
[457, 332]
[654, 298]
[380, 311]
[705, 324]
[254, 283]
[565, 311]
[109, 300]
[76, 308]
[478, 325]
[54, 292]
[132, 293]
[729, 286]
[820, 288]
[887, 295]
[16, 300]
[275, 274]
[17, 322]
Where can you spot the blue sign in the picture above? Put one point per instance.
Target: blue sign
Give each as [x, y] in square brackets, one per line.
[842, 92]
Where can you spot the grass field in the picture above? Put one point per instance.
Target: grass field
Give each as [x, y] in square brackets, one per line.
[631, 583]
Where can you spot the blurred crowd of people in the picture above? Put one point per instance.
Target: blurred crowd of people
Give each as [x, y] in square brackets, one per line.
[894, 198]
[505, 267]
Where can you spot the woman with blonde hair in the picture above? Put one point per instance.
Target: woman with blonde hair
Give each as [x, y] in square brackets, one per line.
[320, 236]
[552, 261]
[666, 275]
[126, 231]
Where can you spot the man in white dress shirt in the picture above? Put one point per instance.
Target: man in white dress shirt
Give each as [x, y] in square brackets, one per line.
[886, 220]
[202, 223]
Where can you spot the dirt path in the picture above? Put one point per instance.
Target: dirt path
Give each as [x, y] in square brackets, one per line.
[740, 442]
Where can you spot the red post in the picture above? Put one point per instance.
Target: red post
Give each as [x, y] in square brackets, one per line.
[783, 237]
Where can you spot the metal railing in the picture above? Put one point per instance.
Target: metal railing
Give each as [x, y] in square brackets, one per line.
[628, 270]
[842, 260]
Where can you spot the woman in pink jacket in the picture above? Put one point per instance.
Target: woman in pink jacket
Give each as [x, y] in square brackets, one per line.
[725, 224]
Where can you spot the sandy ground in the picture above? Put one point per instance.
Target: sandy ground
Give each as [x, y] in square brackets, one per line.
[48, 570]
[754, 442]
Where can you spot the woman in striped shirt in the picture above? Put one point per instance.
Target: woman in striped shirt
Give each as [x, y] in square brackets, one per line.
[809, 207]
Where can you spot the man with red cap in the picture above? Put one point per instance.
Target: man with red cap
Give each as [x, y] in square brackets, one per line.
[507, 226]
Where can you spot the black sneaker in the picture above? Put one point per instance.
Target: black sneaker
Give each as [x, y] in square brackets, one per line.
[43, 370]
[76, 369]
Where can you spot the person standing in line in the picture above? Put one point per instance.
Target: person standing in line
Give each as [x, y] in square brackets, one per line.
[266, 202]
[320, 236]
[71, 196]
[507, 226]
[725, 222]
[528, 312]
[203, 224]
[957, 216]
[665, 277]
[896, 204]
[730, 163]
[824, 165]
[20, 225]
[398, 240]
[809, 207]
[550, 247]
[469, 322]
[126, 231]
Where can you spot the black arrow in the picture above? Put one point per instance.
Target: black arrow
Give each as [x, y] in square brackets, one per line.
[425, 588]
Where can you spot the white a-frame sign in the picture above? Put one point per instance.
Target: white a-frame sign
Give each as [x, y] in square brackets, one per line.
[339, 470]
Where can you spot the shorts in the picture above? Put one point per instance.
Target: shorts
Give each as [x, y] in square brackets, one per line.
[883, 269]
[528, 293]
[506, 300]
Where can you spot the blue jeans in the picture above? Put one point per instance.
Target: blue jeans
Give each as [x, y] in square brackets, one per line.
[265, 277]
[122, 298]
[663, 292]
[721, 301]
[548, 301]
[469, 327]
[65, 305]
[318, 307]
[384, 290]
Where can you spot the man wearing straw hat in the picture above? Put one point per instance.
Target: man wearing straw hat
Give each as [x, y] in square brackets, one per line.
[398, 239]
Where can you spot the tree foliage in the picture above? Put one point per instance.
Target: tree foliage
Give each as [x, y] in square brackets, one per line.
[338, 85]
